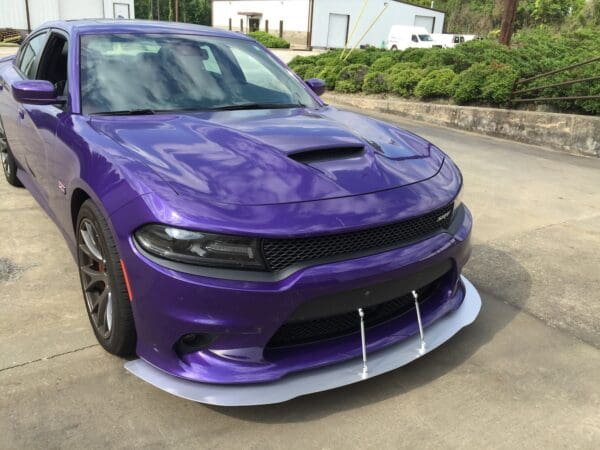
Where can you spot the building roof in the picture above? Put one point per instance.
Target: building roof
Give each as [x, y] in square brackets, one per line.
[397, 1]
[87, 26]
[420, 6]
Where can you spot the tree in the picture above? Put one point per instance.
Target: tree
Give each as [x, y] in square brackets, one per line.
[506, 29]
[555, 11]
[192, 11]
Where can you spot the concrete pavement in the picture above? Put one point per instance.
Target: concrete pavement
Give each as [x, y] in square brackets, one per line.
[525, 374]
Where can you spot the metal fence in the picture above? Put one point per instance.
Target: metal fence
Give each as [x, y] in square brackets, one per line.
[520, 88]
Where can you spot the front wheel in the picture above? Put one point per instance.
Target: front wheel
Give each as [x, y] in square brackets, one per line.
[103, 284]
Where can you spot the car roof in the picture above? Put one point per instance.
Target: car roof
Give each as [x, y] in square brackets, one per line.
[93, 26]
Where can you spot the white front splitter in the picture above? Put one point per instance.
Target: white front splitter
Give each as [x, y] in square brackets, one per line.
[315, 380]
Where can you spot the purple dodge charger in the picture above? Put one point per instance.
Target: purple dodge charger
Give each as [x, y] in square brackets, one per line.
[248, 242]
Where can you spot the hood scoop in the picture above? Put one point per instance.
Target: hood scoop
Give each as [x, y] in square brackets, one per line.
[326, 154]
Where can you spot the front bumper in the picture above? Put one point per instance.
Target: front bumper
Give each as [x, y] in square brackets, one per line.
[245, 315]
[316, 380]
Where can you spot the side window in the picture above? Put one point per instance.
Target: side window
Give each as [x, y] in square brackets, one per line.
[53, 65]
[29, 60]
[415, 38]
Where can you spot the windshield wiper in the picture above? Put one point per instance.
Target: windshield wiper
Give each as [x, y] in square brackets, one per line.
[257, 106]
[127, 112]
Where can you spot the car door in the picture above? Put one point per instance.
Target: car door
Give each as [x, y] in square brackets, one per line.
[62, 163]
[25, 66]
[37, 124]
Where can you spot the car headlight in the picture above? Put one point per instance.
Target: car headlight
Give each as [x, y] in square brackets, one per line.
[196, 247]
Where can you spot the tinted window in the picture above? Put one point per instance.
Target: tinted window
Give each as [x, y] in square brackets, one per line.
[29, 60]
[181, 72]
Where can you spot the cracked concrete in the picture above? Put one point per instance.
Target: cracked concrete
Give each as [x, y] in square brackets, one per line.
[9, 271]
[523, 375]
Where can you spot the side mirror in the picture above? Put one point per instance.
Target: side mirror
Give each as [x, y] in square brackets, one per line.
[317, 85]
[35, 92]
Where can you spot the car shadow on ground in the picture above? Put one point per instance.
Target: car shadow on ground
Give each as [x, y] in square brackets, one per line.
[487, 265]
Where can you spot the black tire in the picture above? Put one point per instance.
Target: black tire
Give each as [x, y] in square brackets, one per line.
[394, 48]
[9, 165]
[114, 331]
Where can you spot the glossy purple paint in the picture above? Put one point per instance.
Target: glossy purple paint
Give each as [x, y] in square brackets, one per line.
[35, 92]
[229, 172]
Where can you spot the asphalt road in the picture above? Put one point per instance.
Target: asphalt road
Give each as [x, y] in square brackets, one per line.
[525, 374]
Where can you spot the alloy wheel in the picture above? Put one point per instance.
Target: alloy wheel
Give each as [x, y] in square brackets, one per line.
[95, 278]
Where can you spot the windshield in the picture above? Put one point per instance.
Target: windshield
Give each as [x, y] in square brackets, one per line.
[123, 73]
[425, 37]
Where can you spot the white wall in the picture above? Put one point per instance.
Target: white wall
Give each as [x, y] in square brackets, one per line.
[80, 9]
[294, 14]
[12, 12]
[396, 14]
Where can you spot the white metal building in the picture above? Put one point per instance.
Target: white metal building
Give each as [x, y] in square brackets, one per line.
[14, 13]
[323, 23]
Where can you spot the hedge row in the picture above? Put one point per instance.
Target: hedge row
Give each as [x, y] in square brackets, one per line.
[269, 40]
[476, 72]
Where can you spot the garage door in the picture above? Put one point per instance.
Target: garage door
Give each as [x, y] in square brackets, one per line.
[338, 30]
[426, 22]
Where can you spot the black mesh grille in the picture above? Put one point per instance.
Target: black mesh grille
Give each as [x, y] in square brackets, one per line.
[310, 331]
[282, 253]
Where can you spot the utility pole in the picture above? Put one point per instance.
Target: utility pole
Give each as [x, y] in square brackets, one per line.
[28, 16]
[506, 31]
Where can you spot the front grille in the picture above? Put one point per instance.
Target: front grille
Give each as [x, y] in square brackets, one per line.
[306, 332]
[282, 253]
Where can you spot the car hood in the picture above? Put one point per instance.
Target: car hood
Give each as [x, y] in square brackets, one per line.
[273, 156]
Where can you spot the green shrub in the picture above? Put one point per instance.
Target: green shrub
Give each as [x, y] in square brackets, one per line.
[498, 84]
[437, 58]
[366, 56]
[402, 66]
[490, 83]
[269, 40]
[437, 83]
[374, 83]
[465, 55]
[351, 78]
[302, 69]
[330, 74]
[403, 82]
[485, 69]
[414, 55]
[382, 64]
[467, 85]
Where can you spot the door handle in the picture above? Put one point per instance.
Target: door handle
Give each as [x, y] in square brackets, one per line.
[21, 113]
